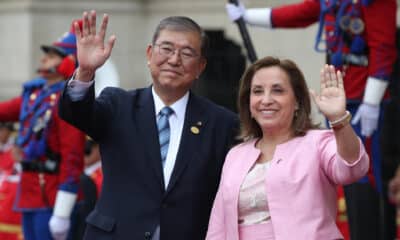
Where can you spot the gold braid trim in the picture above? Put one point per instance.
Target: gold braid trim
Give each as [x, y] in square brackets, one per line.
[10, 228]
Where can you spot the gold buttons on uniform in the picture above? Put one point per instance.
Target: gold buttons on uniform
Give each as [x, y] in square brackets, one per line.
[33, 96]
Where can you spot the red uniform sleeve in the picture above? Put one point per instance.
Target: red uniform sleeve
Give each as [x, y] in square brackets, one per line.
[9, 110]
[6, 161]
[380, 30]
[296, 15]
[72, 142]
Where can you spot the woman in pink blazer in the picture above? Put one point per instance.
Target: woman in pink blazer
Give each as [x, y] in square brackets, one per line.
[280, 183]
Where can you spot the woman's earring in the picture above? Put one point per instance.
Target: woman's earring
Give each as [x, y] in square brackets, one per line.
[296, 110]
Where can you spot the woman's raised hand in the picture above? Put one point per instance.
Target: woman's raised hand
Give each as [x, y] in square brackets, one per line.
[331, 100]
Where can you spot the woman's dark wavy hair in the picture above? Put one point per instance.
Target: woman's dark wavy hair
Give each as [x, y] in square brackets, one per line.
[302, 120]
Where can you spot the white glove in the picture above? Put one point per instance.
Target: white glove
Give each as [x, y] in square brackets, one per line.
[59, 227]
[235, 12]
[60, 223]
[369, 116]
[260, 17]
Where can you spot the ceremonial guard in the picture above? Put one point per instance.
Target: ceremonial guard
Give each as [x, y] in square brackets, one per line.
[359, 39]
[10, 220]
[93, 164]
[341, 216]
[91, 184]
[49, 149]
[6, 143]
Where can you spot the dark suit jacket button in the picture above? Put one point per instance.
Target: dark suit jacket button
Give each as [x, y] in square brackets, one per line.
[147, 235]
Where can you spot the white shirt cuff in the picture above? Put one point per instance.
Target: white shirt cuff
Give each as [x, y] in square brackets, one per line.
[77, 90]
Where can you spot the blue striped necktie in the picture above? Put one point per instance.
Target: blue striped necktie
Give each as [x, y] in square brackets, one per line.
[164, 132]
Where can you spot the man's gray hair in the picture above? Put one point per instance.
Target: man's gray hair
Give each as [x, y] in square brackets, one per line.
[182, 24]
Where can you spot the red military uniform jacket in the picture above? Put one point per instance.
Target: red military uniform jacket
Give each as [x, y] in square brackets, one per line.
[6, 160]
[95, 172]
[10, 221]
[341, 217]
[379, 19]
[61, 138]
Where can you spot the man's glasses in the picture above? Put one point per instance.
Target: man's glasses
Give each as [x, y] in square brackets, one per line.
[167, 50]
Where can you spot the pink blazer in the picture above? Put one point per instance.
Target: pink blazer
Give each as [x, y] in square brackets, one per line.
[300, 185]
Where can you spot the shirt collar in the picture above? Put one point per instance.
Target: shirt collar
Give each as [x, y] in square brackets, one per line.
[179, 106]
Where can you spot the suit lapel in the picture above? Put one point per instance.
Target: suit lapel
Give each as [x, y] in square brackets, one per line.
[192, 134]
[146, 123]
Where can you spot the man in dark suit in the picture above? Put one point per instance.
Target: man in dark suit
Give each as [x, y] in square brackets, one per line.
[162, 147]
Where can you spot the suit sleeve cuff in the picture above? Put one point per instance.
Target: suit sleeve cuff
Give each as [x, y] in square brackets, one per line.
[374, 90]
[77, 89]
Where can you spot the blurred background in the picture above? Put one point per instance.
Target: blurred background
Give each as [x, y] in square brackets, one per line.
[27, 24]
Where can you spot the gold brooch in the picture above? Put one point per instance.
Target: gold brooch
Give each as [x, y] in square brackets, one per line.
[196, 129]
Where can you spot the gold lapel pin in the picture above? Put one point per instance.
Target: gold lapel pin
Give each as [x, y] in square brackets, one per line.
[195, 130]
